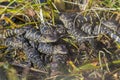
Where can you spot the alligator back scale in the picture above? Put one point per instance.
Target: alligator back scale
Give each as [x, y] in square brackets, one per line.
[45, 58]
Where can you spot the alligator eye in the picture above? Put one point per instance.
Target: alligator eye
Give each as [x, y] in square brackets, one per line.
[63, 49]
[50, 38]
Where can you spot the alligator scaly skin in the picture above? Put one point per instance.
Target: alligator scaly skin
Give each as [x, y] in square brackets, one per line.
[12, 32]
[50, 49]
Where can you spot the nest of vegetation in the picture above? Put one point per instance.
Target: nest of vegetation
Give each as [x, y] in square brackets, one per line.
[59, 40]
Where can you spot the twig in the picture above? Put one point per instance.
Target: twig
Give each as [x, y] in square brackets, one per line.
[105, 9]
[41, 14]
[81, 5]
[72, 3]
[32, 69]
[9, 7]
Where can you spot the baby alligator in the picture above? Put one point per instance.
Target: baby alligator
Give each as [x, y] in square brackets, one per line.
[68, 22]
[36, 36]
[103, 29]
[31, 52]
